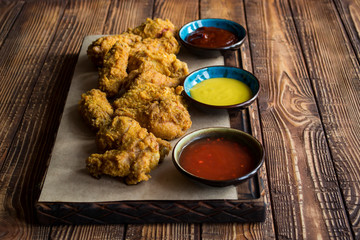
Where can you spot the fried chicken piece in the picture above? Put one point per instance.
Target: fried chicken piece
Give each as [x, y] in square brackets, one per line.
[98, 48]
[112, 76]
[167, 119]
[165, 44]
[137, 152]
[160, 61]
[95, 108]
[143, 75]
[154, 28]
[120, 163]
[144, 55]
[159, 109]
[157, 34]
[121, 131]
[157, 67]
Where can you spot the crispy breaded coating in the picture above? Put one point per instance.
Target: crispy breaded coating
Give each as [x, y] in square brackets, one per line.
[160, 61]
[159, 109]
[113, 73]
[116, 135]
[154, 28]
[137, 151]
[97, 50]
[115, 163]
[167, 119]
[168, 45]
[95, 108]
[143, 75]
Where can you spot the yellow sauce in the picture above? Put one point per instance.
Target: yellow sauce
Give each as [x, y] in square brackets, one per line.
[221, 92]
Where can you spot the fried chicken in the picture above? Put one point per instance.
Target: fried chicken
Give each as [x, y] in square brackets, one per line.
[154, 28]
[156, 34]
[117, 55]
[121, 59]
[112, 76]
[98, 49]
[135, 151]
[159, 109]
[95, 108]
[160, 61]
[163, 44]
[116, 135]
[143, 75]
[140, 74]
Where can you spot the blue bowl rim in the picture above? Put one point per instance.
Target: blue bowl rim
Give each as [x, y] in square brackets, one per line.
[239, 105]
[216, 183]
[234, 46]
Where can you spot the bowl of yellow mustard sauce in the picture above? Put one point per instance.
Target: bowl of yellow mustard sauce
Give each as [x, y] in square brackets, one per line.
[221, 87]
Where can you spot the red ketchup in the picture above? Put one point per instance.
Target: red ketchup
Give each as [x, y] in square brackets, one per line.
[217, 159]
[211, 37]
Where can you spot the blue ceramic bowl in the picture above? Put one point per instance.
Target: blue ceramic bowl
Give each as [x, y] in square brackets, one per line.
[231, 26]
[245, 139]
[221, 72]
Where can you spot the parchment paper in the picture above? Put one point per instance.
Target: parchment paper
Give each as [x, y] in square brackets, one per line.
[67, 179]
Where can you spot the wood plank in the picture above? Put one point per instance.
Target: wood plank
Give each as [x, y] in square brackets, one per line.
[23, 42]
[178, 12]
[125, 14]
[304, 191]
[349, 13]
[335, 73]
[181, 231]
[23, 53]
[234, 10]
[103, 232]
[8, 13]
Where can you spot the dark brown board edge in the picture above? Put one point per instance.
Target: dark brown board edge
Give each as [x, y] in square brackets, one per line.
[131, 212]
[252, 209]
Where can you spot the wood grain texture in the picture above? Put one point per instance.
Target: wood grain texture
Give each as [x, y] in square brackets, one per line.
[305, 195]
[9, 11]
[23, 53]
[103, 232]
[337, 90]
[21, 69]
[349, 14]
[181, 231]
[171, 8]
[127, 14]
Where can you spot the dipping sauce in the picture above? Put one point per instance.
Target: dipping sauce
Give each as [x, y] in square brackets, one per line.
[221, 92]
[217, 159]
[211, 37]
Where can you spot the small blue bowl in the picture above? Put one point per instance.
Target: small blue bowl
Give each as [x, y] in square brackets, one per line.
[225, 24]
[221, 72]
[245, 139]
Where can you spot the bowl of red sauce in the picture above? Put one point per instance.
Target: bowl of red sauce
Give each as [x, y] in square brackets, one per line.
[218, 156]
[211, 37]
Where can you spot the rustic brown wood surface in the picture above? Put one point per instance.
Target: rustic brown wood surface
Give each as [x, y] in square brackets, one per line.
[306, 55]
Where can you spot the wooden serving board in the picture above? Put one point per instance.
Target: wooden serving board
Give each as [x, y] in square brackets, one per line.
[70, 196]
[249, 207]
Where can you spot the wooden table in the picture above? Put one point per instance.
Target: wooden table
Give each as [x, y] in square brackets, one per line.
[306, 55]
